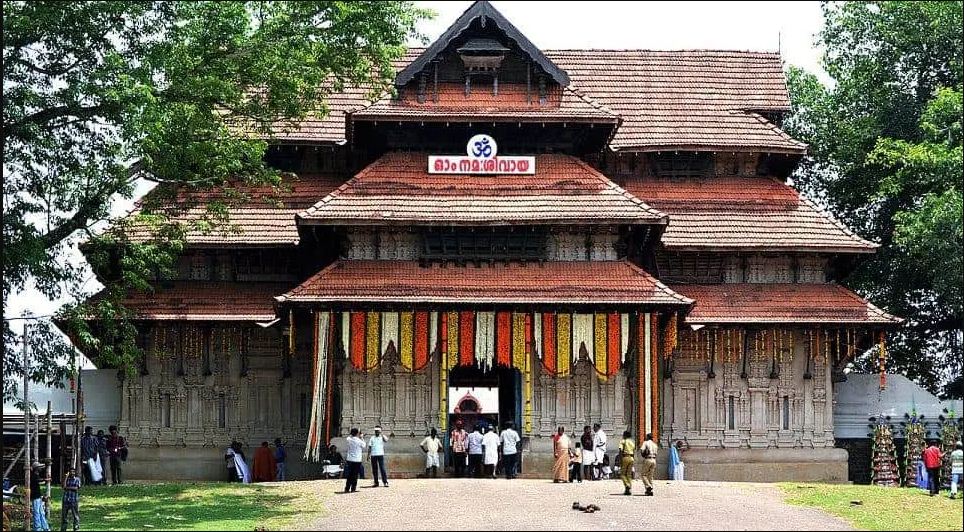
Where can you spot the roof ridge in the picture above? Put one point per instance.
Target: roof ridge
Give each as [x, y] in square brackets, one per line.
[666, 50]
[625, 193]
[294, 291]
[874, 308]
[776, 129]
[343, 187]
[659, 284]
[810, 203]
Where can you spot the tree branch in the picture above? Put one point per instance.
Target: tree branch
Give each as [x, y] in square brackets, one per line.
[46, 115]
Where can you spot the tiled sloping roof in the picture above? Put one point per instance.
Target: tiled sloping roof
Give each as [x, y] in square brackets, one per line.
[266, 218]
[398, 188]
[195, 300]
[743, 213]
[780, 303]
[616, 282]
[695, 99]
[563, 105]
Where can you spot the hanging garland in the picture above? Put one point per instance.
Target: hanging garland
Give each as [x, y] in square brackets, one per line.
[883, 360]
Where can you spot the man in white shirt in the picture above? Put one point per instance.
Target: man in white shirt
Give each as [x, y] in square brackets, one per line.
[353, 458]
[431, 445]
[510, 452]
[490, 450]
[376, 454]
[475, 452]
[599, 442]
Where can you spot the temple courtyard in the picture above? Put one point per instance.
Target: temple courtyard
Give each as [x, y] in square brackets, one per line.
[521, 504]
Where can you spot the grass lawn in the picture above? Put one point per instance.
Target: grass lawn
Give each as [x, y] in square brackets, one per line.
[882, 508]
[194, 506]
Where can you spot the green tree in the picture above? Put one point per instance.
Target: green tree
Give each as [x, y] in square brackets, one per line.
[100, 94]
[885, 141]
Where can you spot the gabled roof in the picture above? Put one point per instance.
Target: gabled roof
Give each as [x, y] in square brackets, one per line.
[385, 281]
[667, 100]
[780, 303]
[397, 188]
[743, 213]
[486, 14]
[686, 99]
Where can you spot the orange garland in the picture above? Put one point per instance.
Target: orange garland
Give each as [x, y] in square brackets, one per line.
[883, 361]
[654, 369]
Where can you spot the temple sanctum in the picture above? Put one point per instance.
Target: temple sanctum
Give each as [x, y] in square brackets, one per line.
[549, 237]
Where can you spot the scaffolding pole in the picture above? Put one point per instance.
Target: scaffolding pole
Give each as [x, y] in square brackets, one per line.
[49, 459]
[26, 432]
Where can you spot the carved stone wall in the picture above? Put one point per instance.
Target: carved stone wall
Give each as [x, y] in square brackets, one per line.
[760, 403]
[579, 399]
[207, 384]
[398, 400]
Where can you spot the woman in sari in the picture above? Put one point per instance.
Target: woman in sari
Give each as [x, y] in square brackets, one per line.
[560, 450]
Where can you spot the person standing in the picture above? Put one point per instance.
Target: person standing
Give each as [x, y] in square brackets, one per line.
[490, 448]
[957, 468]
[38, 512]
[575, 463]
[264, 466]
[104, 455]
[599, 443]
[117, 449]
[932, 461]
[648, 452]
[353, 460]
[431, 445]
[69, 502]
[510, 450]
[588, 454]
[676, 466]
[376, 455]
[280, 457]
[459, 440]
[560, 451]
[474, 440]
[627, 458]
[88, 451]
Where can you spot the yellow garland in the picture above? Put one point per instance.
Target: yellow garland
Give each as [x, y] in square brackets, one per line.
[601, 342]
[407, 336]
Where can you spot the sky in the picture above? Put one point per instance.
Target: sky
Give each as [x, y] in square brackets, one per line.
[789, 27]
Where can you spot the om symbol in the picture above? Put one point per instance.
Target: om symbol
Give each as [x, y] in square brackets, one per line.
[481, 147]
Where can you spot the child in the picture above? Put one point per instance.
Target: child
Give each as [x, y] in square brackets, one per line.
[69, 502]
[607, 471]
[575, 463]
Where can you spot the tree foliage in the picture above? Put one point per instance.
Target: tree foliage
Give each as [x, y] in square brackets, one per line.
[100, 94]
[886, 157]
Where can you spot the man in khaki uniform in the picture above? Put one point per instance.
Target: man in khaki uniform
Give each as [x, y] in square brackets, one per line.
[648, 450]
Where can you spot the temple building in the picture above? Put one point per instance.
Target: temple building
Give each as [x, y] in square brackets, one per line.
[551, 237]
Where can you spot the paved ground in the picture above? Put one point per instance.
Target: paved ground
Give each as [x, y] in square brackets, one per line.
[454, 504]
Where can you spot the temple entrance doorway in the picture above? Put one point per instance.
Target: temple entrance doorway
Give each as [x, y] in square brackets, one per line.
[483, 397]
[491, 396]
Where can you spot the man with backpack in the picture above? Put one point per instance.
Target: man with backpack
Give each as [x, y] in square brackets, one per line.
[648, 451]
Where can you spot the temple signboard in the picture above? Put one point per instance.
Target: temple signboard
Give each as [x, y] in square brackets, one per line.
[481, 158]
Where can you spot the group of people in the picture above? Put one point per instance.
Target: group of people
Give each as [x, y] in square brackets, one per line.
[473, 453]
[933, 459]
[98, 450]
[587, 457]
[269, 464]
[477, 453]
[69, 507]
